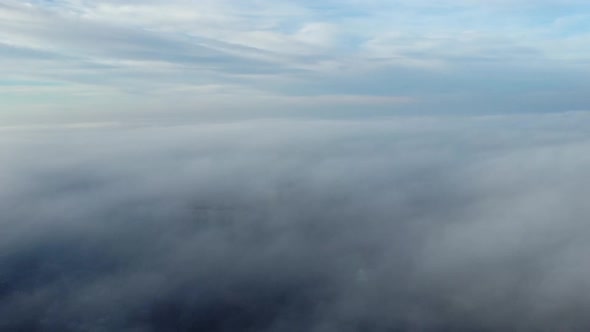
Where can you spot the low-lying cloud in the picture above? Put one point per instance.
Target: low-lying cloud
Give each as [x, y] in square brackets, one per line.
[401, 224]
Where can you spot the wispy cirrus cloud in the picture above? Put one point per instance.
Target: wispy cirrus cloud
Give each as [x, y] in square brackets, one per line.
[450, 55]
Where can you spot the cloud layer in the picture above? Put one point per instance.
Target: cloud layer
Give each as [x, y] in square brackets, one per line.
[402, 224]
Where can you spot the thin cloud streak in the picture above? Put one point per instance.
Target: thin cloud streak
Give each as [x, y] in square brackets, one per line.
[277, 49]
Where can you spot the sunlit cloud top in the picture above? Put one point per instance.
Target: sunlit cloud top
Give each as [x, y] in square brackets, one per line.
[112, 57]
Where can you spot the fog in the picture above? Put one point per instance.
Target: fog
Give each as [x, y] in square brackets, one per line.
[388, 224]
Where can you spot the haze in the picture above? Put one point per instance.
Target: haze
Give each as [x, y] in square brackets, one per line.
[287, 166]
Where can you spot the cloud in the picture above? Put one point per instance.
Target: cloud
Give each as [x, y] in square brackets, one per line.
[127, 51]
[404, 223]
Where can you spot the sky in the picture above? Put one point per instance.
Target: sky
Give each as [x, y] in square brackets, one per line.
[78, 60]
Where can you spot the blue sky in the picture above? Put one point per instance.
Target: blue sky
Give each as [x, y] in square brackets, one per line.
[80, 59]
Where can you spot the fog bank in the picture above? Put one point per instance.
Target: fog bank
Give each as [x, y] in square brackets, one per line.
[392, 224]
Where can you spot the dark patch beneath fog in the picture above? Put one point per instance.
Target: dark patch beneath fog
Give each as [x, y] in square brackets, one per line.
[449, 224]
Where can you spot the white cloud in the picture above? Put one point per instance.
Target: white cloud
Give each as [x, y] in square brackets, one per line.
[407, 223]
[277, 48]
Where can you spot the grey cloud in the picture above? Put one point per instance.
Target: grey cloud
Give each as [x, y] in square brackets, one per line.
[16, 52]
[399, 224]
[482, 88]
[95, 52]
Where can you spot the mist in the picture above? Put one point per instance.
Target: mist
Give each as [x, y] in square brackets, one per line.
[450, 223]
